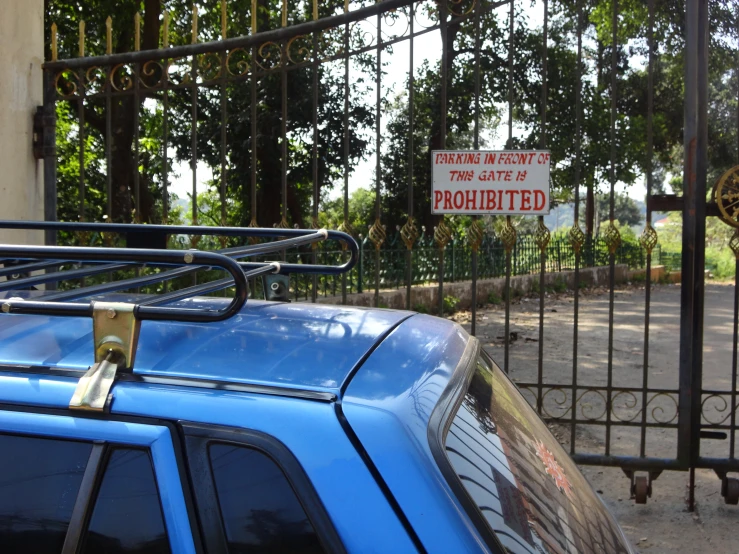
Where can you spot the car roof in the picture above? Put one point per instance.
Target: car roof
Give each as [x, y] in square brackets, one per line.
[289, 345]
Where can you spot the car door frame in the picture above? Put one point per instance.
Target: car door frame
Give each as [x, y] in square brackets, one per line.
[157, 437]
[197, 438]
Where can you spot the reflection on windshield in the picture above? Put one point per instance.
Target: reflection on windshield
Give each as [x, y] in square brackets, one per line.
[526, 487]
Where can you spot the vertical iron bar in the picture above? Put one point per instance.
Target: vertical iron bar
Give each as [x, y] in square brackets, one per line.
[476, 146]
[136, 145]
[108, 148]
[194, 138]
[316, 65]
[693, 248]
[511, 46]
[50, 200]
[411, 95]
[165, 140]
[254, 138]
[378, 174]
[283, 134]
[224, 121]
[578, 169]
[612, 257]
[442, 125]
[509, 144]
[346, 139]
[81, 119]
[732, 431]
[543, 254]
[648, 275]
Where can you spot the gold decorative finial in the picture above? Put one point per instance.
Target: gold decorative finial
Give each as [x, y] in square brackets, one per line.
[315, 10]
[734, 244]
[137, 32]
[109, 35]
[507, 236]
[194, 23]
[82, 39]
[612, 237]
[284, 13]
[165, 31]
[542, 235]
[475, 234]
[442, 234]
[648, 238]
[576, 236]
[54, 51]
[409, 233]
[377, 233]
[253, 17]
[223, 19]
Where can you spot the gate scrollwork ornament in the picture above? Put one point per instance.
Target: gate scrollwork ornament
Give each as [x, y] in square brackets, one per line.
[726, 195]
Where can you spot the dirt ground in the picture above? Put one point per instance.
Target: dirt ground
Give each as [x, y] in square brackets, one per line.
[663, 525]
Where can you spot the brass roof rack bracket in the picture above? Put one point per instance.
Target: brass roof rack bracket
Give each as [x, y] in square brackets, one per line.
[115, 335]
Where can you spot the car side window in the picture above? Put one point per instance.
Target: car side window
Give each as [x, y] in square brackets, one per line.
[127, 517]
[259, 508]
[39, 482]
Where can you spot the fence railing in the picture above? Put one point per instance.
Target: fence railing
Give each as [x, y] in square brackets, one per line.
[525, 260]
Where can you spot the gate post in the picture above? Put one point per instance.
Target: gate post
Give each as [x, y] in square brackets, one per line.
[22, 47]
[694, 231]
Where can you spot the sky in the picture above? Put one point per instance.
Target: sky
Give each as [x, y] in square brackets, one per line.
[427, 47]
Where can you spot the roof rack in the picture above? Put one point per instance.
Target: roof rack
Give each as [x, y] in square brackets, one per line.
[116, 324]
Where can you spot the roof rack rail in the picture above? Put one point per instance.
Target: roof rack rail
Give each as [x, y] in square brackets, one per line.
[116, 324]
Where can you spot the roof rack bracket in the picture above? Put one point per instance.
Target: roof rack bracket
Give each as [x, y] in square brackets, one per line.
[115, 328]
[93, 389]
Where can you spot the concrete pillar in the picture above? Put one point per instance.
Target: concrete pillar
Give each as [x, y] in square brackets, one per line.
[21, 89]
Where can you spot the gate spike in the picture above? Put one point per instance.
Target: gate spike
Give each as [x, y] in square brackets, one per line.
[194, 24]
[109, 36]
[137, 31]
[54, 51]
[82, 40]
[223, 19]
[165, 31]
[253, 17]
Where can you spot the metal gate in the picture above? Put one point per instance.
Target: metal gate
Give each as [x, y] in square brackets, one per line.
[293, 87]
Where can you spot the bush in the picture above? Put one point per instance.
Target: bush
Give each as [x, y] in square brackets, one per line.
[559, 285]
[494, 298]
[721, 262]
[450, 304]
[421, 309]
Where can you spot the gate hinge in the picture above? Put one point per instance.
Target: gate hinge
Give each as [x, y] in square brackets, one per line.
[115, 331]
[44, 130]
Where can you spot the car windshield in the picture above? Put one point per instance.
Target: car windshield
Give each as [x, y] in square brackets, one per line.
[519, 479]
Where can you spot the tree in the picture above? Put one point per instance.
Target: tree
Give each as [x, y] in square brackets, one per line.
[123, 109]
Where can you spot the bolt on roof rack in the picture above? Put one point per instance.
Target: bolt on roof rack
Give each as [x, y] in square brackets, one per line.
[116, 324]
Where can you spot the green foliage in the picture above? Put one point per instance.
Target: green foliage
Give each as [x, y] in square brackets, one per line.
[494, 298]
[559, 285]
[361, 211]
[450, 304]
[421, 309]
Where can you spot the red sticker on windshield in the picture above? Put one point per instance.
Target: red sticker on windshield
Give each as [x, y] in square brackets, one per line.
[553, 468]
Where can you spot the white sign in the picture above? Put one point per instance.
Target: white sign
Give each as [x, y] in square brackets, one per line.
[504, 182]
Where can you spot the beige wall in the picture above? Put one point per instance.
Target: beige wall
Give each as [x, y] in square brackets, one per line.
[21, 87]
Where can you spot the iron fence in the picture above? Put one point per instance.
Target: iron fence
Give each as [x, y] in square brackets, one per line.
[291, 89]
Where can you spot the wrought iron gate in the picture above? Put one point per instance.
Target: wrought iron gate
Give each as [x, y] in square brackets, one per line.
[312, 61]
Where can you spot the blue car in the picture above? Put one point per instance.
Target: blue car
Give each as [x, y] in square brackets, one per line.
[141, 422]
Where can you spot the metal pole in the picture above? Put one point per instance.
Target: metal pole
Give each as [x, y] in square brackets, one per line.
[694, 227]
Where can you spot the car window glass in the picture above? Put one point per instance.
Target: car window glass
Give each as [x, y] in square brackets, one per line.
[261, 513]
[127, 518]
[523, 483]
[39, 482]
